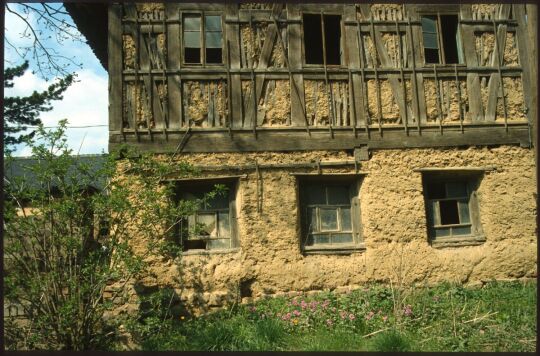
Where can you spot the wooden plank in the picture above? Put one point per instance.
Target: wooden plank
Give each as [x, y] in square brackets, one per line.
[495, 81]
[232, 32]
[353, 61]
[173, 61]
[298, 115]
[414, 34]
[297, 139]
[264, 59]
[115, 49]
[529, 60]
[476, 109]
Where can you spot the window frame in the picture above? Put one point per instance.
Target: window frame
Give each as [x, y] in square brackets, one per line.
[341, 39]
[472, 181]
[189, 185]
[202, 38]
[353, 183]
[440, 41]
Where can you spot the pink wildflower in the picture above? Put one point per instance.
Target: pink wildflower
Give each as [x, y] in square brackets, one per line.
[407, 310]
[296, 313]
[329, 322]
[351, 317]
[370, 315]
[342, 314]
[384, 318]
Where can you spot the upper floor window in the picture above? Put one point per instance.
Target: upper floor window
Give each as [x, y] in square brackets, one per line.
[203, 40]
[441, 39]
[322, 39]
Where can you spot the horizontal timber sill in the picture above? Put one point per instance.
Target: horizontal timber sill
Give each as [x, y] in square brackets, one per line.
[434, 126]
[297, 139]
[335, 250]
[221, 72]
[458, 241]
[243, 167]
[210, 252]
[451, 169]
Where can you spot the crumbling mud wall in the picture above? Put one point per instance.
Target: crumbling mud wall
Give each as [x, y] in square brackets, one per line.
[319, 97]
[205, 103]
[269, 260]
[275, 103]
[445, 102]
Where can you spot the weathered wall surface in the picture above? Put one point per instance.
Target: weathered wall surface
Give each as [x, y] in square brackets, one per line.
[270, 261]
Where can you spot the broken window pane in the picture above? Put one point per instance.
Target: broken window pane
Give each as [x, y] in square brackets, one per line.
[207, 224]
[429, 24]
[338, 195]
[449, 212]
[328, 219]
[220, 201]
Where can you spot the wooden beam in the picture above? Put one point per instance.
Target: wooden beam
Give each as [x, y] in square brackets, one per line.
[298, 106]
[173, 61]
[298, 140]
[115, 67]
[233, 37]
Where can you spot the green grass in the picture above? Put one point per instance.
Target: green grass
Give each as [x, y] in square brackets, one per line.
[501, 316]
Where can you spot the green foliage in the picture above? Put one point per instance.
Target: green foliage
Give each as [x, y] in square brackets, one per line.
[448, 317]
[390, 341]
[20, 112]
[61, 257]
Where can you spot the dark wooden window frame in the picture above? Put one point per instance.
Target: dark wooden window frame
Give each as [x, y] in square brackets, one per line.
[472, 178]
[341, 42]
[184, 186]
[440, 42]
[353, 181]
[202, 14]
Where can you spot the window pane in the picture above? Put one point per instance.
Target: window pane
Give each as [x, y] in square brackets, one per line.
[436, 190]
[312, 220]
[464, 215]
[192, 23]
[429, 24]
[342, 238]
[213, 39]
[206, 224]
[309, 240]
[218, 244]
[321, 239]
[214, 55]
[463, 230]
[430, 40]
[224, 224]
[328, 219]
[346, 219]
[338, 195]
[315, 194]
[449, 212]
[442, 232]
[212, 23]
[192, 39]
[456, 190]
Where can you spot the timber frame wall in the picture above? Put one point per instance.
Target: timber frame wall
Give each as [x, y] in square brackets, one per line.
[168, 127]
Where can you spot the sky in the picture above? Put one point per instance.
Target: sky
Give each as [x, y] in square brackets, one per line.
[85, 102]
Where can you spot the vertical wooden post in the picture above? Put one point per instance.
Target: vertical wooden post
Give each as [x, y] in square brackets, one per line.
[294, 58]
[353, 62]
[174, 89]
[115, 49]
[233, 39]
